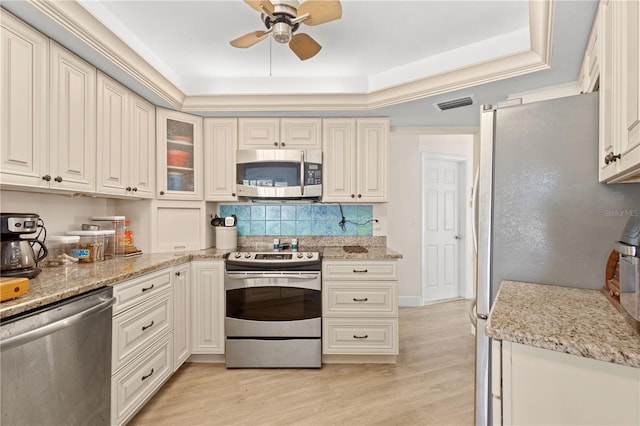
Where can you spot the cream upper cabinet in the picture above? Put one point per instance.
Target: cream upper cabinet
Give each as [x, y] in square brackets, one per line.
[590, 70]
[72, 115]
[619, 91]
[142, 147]
[220, 145]
[24, 104]
[39, 80]
[270, 133]
[179, 162]
[630, 140]
[126, 141]
[355, 160]
[112, 136]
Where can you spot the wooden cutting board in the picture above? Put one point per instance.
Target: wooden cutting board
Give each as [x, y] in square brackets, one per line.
[10, 288]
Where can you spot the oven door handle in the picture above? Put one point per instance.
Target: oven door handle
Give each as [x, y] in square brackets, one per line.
[233, 282]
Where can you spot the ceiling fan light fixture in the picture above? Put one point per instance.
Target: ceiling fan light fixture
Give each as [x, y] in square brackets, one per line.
[281, 32]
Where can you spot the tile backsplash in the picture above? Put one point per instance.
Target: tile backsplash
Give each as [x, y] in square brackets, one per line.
[300, 219]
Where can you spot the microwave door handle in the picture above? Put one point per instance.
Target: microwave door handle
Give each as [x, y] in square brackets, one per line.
[301, 172]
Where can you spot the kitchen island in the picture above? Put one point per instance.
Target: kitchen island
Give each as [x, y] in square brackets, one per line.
[562, 356]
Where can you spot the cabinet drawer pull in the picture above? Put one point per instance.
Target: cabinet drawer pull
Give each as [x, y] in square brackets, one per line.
[144, 327]
[360, 337]
[147, 288]
[360, 271]
[366, 299]
[148, 375]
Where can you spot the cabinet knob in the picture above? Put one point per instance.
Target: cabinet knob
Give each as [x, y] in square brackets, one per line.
[359, 195]
[178, 274]
[353, 195]
[611, 158]
[128, 189]
[275, 144]
[58, 178]
[46, 178]
[134, 189]
[282, 144]
[161, 192]
[233, 194]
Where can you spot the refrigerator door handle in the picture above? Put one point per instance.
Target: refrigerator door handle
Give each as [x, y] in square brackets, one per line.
[473, 314]
[474, 207]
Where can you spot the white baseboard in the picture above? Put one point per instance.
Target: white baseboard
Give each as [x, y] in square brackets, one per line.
[409, 301]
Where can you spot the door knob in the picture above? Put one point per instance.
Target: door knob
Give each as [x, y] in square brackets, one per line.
[458, 237]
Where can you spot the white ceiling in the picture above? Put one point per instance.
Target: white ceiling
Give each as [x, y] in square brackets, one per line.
[376, 45]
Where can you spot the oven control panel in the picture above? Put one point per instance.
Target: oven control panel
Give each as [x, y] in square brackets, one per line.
[273, 256]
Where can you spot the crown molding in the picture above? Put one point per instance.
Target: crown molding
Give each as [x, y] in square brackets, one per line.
[76, 20]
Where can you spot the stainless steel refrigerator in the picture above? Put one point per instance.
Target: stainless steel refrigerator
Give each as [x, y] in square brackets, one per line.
[542, 215]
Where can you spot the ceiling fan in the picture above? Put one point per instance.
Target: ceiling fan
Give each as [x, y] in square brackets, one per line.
[282, 19]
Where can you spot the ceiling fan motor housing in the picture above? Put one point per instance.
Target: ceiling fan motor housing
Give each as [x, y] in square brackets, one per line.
[283, 12]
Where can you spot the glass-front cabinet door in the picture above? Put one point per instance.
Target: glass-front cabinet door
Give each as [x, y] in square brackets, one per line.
[179, 156]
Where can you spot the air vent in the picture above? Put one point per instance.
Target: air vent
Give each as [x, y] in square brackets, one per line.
[455, 103]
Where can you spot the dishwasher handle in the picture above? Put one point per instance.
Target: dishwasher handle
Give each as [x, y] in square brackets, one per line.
[50, 328]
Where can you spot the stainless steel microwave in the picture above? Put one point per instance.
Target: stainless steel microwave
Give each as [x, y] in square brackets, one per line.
[279, 173]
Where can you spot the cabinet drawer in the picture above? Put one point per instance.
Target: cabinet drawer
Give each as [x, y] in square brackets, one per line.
[359, 299]
[363, 270]
[137, 290]
[135, 384]
[135, 329]
[359, 336]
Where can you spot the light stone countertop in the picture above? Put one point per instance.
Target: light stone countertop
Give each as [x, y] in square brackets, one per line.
[373, 253]
[57, 283]
[575, 321]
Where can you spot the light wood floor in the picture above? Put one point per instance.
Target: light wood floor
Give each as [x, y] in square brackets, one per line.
[431, 384]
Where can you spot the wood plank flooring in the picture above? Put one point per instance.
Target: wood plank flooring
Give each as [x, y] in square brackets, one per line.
[431, 384]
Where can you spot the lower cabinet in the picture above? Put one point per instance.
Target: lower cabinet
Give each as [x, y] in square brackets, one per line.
[207, 307]
[142, 342]
[181, 314]
[359, 310]
[536, 386]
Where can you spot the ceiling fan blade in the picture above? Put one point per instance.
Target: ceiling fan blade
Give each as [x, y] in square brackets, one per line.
[250, 39]
[255, 4]
[304, 46]
[320, 11]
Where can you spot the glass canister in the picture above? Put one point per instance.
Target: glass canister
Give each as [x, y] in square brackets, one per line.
[116, 223]
[91, 246]
[61, 249]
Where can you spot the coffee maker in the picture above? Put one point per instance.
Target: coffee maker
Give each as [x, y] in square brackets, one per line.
[17, 255]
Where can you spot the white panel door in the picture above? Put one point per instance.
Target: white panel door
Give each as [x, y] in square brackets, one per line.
[339, 152]
[207, 307]
[441, 276]
[258, 133]
[72, 155]
[113, 137]
[372, 159]
[220, 145]
[24, 159]
[142, 141]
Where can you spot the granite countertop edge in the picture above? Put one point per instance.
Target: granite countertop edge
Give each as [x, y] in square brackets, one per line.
[55, 284]
[575, 321]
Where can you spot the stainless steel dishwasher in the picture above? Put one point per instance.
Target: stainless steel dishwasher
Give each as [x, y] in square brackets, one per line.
[56, 363]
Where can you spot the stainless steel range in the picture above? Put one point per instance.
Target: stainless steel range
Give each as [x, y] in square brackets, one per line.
[273, 310]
